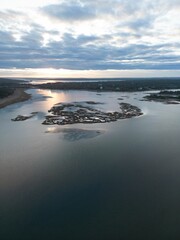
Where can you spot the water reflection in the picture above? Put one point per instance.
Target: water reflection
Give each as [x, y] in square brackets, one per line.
[53, 97]
[42, 81]
[75, 134]
[123, 184]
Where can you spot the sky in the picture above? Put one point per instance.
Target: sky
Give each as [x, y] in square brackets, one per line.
[90, 38]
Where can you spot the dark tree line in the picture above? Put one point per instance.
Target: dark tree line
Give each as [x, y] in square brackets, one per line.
[5, 92]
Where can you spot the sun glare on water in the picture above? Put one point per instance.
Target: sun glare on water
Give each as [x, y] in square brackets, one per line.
[53, 97]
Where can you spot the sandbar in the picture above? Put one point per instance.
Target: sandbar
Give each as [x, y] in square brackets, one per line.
[19, 95]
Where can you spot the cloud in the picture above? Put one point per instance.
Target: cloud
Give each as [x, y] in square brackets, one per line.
[82, 53]
[97, 35]
[5, 37]
[70, 11]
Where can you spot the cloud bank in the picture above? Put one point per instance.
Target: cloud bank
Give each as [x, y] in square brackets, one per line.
[92, 35]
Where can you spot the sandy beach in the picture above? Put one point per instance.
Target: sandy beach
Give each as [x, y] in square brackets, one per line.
[19, 95]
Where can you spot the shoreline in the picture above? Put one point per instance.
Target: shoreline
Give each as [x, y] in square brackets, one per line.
[19, 95]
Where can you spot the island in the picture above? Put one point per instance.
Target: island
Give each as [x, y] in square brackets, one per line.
[167, 97]
[81, 112]
[23, 117]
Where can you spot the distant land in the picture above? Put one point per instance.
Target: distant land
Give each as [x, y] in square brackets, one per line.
[94, 84]
[87, 79]
[8, 87]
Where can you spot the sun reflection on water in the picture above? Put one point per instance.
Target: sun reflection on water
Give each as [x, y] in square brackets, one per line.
[53, 97]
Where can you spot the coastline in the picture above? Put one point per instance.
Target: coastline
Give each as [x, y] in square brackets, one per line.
[19, 95]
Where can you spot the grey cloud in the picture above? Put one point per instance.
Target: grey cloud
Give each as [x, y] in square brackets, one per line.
[141, 23]
[70, 11]
[5, 37]
[11, 15]
[74, 53]
[84, 52]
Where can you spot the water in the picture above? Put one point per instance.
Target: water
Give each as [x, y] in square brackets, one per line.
[72, 183]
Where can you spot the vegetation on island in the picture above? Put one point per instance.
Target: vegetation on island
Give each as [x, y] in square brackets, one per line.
[168, 97]
[71, 113]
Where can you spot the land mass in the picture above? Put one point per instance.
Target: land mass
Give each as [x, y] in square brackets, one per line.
[120, 85]
[16, 95]
[13, 88]
[5, 92]
[71, 113]
[23, 118]
[167, 97]
[129, 85]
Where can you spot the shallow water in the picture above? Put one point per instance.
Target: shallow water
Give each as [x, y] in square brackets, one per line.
[116, 180]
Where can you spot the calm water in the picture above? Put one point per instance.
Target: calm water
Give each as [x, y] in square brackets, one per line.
[71, 183]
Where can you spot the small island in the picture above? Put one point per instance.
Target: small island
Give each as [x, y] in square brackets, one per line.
[71, 113]
[23, 118]
[167, 97]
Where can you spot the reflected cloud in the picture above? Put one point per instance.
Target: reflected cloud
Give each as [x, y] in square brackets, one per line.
[75, 134]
